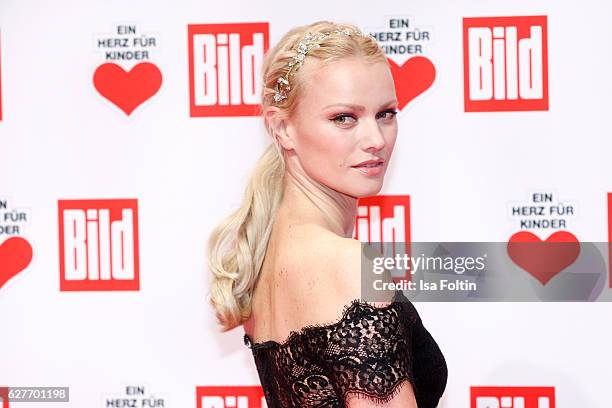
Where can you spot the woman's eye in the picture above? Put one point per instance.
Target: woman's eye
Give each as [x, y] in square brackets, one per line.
[338, 119]
[392, 113]
[342, 118]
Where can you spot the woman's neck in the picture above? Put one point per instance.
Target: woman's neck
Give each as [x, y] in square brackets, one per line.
[311, 202]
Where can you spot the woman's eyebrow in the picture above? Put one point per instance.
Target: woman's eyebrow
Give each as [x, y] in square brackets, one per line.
[358, 107]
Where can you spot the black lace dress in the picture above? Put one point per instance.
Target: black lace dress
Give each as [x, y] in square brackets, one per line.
[369, 352]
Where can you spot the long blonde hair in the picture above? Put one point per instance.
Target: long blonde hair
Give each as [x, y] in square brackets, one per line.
[237, 246]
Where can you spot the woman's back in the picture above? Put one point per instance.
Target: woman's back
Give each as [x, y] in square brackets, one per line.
[297, 273]
[316, 343]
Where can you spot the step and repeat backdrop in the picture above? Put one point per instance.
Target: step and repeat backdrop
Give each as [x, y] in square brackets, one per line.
[128, 130]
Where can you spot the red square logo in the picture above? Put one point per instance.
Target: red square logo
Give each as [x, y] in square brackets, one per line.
[505, 63]
[0, 82]
[98, 244]
[385, 219]
[225, 68]
[4, 396]
[251, 396]
[512, 397]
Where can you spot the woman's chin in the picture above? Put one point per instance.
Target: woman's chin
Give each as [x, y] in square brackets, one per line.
[367, 189]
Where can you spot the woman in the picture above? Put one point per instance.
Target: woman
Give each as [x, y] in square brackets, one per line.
[285, 265]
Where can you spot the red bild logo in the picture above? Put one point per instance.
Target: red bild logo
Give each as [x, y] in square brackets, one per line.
[224, 68]
[98, 244]
[4, 398]
[230, 397]
[505, 63]
[512, 397]
[0, 83]
[385, 219]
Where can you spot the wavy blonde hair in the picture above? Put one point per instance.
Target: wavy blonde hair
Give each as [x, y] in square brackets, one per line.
[237, 246]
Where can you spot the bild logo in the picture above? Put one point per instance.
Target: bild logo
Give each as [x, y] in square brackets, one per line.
[4, 397]
[250, 396]
[0, 83]
[512, 397]
[505, 63]
[385, 219]
[98, 244]
[224, 68]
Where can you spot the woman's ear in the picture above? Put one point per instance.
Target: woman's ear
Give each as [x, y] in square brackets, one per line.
[277, 124]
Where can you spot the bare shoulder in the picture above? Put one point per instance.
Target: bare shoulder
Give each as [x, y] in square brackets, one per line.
[319, 273]
[330, 271]
[345, 255]
[356, 273]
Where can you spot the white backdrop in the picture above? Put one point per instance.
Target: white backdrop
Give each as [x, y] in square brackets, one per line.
[73, 129]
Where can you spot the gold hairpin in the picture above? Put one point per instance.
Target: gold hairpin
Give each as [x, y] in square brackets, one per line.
[309, 42]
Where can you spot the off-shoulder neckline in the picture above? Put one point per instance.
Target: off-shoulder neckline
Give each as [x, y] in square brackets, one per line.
[295, 334]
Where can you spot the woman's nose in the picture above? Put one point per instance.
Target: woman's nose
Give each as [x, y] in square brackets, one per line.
[373, 138]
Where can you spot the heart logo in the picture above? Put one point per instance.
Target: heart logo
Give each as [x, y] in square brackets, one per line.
[15, 256]
[413, 78]
[543, 259]
[127, 90]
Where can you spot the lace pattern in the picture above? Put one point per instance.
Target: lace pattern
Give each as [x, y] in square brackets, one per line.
[370, 352]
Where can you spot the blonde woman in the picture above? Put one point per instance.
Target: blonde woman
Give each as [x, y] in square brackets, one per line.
[285, 265]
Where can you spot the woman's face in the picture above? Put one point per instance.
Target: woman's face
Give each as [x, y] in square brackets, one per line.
[346, 116]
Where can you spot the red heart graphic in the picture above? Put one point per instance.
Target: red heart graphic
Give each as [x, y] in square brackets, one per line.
[15, 256]
[412, 79]
[127, 90]
[543, 259]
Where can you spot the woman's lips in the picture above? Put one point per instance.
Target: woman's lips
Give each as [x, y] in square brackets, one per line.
[370, 169]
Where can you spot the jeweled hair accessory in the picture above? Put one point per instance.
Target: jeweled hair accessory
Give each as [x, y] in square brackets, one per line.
[309, 42]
